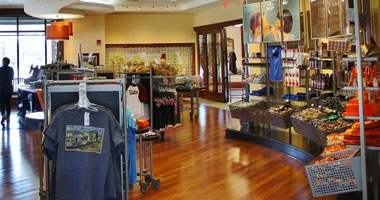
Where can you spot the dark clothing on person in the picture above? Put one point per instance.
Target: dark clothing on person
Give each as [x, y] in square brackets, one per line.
[6, 89]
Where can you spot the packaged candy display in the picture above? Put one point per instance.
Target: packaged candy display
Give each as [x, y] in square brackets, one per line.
[331, 123]
[334, 138]
[324, 160]
[334, 148]
[308, 114]
[281, 109]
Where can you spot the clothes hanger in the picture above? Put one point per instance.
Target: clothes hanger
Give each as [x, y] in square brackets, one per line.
[84, 102]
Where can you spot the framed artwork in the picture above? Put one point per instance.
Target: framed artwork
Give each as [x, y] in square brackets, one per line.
[252, 23]
[87, 61]
[337, 19]
[230, 45]
[291, 23]
[318, 19]
[271, 21]
[333, 15]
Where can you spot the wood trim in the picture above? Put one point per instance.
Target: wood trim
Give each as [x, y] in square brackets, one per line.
[236, 84]
[242, 46]
[151, 45]
[217, 25]
[14, 12]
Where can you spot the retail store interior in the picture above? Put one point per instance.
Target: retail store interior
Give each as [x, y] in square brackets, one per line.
[189, 99]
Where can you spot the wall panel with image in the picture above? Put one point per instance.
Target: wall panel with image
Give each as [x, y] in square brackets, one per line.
[318, 19]
[291, 16]
[271, 21]
[252, 23]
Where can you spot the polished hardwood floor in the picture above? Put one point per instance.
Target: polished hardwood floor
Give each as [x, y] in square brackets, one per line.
[194, 162]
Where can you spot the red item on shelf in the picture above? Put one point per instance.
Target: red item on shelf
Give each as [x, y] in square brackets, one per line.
[142, 123]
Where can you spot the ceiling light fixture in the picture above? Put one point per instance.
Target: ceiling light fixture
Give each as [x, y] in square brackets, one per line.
[57, 32]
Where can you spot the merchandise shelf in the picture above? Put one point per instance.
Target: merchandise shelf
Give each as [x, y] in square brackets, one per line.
[365, 118]
[367, 147]
[364, 88]
[369, 59]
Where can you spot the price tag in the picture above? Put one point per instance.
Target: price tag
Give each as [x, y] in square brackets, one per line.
[87, 119]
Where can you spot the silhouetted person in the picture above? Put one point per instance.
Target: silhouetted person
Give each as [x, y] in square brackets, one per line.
[6, 90]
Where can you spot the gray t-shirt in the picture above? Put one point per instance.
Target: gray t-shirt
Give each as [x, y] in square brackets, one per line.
[83, 153]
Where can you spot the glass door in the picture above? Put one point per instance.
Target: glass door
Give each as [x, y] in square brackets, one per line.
[211, 64]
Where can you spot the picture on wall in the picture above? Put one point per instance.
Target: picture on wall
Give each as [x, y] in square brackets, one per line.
[291, 16]
[252, 23]
[333, 16]
[318, 18]
[271, 21]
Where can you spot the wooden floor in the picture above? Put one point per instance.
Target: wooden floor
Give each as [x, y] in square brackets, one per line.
[194, 162]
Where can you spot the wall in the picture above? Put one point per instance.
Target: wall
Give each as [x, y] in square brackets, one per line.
[375, 18]
[216, 13]
[86, 31]
[149, 28]
[235, 34]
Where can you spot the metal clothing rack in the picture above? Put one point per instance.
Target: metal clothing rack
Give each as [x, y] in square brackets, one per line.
[109, 93]
[143, 174]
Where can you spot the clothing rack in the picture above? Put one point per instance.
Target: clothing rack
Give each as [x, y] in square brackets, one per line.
[143, 174]
[112, 96]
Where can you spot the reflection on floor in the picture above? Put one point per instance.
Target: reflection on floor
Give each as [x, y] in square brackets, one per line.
[195, 161]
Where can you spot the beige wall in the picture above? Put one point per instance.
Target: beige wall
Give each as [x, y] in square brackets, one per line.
[375, 20]
[86, 31]
[149, 28]
[217, 13]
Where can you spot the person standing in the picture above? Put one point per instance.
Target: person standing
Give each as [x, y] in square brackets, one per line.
[6, 90]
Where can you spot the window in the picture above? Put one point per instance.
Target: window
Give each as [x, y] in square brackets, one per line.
[22, 40]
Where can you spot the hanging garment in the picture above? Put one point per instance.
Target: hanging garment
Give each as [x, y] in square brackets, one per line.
[131, 148]
[84, 147]
[133, 101]
[275, 64]
[165, 110]
[232, 62]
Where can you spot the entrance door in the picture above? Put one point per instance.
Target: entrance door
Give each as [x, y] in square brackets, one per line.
[212, 61]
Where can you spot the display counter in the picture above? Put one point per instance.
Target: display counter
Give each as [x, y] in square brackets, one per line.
[253, 122]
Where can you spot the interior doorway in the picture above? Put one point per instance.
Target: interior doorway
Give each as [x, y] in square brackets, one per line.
[212, 48]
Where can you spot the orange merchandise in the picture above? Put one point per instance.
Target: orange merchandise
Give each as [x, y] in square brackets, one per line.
[335, 138]
[334, 148]
[324, 160]
[142, 123]
[367, 124]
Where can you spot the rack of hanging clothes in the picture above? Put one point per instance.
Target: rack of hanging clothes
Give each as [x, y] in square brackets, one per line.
[165, 107]
[136, 93]
[92, 133]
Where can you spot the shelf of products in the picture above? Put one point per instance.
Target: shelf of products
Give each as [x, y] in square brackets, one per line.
[369, 59]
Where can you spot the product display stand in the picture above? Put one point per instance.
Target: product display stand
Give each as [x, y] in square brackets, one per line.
[146, 178]
[109, 93]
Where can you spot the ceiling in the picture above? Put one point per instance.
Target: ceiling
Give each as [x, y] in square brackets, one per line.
[11, 3]
[132, 5]
[53, 9]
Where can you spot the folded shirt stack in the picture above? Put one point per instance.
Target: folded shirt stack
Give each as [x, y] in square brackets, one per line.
[372, 132]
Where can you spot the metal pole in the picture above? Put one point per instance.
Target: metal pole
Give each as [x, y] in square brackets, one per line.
[124, 103]
[361, 110]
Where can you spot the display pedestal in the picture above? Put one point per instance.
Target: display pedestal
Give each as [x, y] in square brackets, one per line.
[300, 147]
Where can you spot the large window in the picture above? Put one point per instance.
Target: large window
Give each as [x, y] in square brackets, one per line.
[22, 39]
